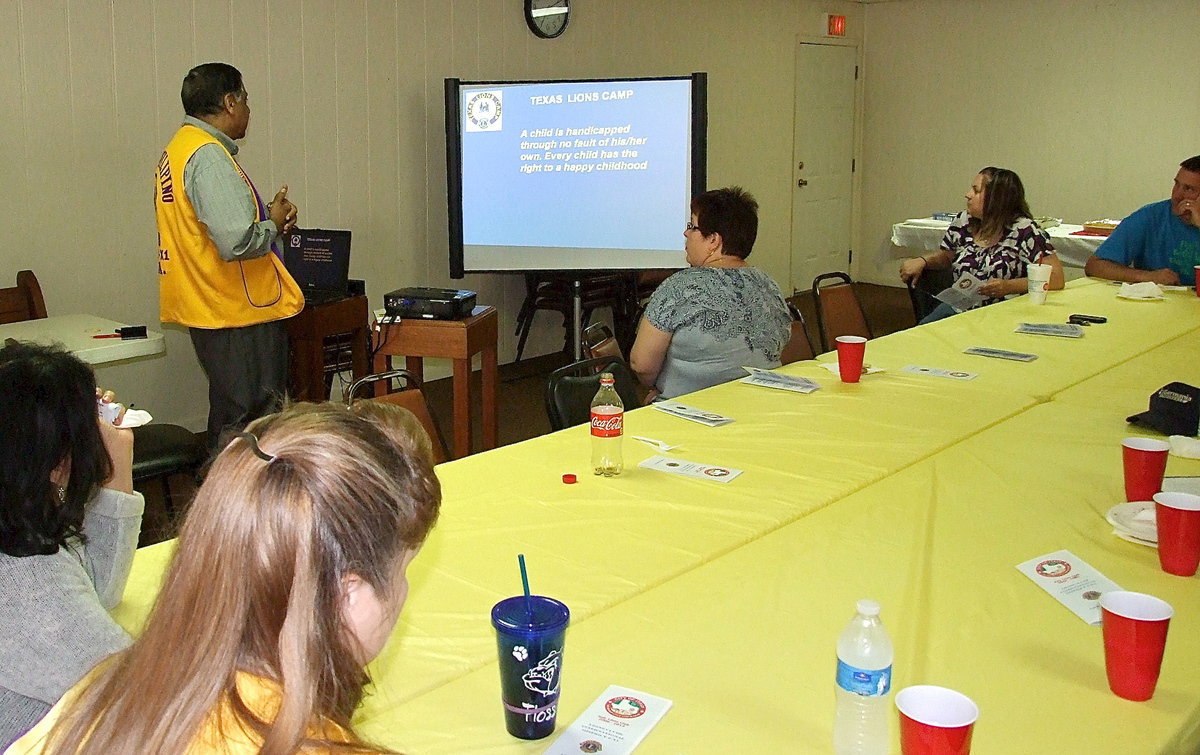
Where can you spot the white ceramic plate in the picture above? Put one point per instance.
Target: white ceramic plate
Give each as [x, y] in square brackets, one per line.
[1132, 519]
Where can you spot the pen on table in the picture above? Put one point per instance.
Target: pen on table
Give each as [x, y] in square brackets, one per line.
[108, 335]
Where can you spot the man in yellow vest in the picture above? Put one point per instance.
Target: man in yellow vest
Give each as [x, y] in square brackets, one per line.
[220, 272]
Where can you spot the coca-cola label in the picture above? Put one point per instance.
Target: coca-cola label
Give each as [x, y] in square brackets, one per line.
[608, 425]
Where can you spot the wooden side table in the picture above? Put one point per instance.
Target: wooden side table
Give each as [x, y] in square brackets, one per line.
[459, 340]
[307, 332]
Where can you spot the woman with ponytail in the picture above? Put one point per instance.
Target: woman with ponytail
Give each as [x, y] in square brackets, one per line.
[288, 580]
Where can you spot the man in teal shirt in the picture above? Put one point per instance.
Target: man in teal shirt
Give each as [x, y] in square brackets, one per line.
[1160, 242]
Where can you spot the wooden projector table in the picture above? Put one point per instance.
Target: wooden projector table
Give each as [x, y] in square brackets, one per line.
[307, 332]
[459, 340]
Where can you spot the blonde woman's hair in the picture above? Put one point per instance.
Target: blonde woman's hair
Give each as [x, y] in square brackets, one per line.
[302, 499]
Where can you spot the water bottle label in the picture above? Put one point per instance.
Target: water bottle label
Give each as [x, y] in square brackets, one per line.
[865, 682]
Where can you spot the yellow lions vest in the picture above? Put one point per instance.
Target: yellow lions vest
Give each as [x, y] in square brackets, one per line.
[196, 287]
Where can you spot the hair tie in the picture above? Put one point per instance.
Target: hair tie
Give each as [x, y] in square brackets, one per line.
[252, 440]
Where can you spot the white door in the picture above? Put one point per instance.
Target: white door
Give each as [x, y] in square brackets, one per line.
[822, 167]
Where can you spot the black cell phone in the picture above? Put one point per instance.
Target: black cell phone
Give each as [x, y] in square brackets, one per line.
[1086, 319]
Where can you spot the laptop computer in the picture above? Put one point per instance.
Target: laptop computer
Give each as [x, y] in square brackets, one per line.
[319, 261]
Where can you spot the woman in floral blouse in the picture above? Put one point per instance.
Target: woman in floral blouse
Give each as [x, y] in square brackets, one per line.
[994, 240]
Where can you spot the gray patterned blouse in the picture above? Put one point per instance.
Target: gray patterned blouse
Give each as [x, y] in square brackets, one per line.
[719, 319]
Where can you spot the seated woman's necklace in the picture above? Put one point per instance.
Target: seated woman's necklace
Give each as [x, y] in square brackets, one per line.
[727, 262]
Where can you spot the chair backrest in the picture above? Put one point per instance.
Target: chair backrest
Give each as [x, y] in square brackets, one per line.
[570, 390]
[23, 301]
[839, 312]
[799, 347]
[410, 398]
[599, 341]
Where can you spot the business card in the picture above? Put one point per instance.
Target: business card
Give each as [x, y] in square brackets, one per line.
[1071, 581]
[614, 724]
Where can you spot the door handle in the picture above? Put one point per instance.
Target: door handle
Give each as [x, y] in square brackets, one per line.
[801, 183]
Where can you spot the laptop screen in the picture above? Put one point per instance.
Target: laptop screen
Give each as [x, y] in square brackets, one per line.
[318, 259]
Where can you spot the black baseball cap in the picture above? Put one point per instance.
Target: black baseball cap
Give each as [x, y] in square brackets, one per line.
[1174, 410]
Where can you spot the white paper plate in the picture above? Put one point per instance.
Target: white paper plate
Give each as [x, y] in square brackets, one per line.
[1131, 519]
[1141, 298]
[1132, 539]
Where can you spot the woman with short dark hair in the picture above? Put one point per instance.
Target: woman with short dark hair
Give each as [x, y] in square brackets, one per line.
[707, 321]
[995, 240]
[69, 523]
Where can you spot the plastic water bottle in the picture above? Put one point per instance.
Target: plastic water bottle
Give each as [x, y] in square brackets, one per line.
[864, 678]
[608, 423]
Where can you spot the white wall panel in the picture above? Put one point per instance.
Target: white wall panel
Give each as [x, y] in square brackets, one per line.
[346, 101]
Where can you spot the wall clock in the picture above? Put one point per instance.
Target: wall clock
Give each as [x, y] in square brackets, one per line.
[547, 18]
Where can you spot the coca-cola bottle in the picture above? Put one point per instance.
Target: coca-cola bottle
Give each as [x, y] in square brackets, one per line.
[608, 423]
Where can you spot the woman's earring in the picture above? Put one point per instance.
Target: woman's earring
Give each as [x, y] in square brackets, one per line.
[62, 494]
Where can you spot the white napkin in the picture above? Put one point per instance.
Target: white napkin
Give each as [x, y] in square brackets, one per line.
[1184, 447]
[1143, 290]
[135, 418]
[927, 223]
[836, 370]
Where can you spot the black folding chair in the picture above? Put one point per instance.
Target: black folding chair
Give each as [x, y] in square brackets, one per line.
[570, 390]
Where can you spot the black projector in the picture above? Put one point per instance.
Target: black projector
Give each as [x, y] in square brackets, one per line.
[422, 303]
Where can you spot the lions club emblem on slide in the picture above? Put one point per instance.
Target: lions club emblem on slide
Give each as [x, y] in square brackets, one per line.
[590, 746]
[485, 111]
[624, 706]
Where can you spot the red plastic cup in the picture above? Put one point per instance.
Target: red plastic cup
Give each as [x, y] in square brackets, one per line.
[1178, 518]
[1145, 462]
[1135, 634]
[935, 720]
[850, 357]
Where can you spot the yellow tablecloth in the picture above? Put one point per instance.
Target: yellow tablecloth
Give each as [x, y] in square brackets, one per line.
[603, 545]
[744, 645]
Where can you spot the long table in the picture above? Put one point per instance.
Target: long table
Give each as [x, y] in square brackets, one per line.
[745, 643]
[844, 465]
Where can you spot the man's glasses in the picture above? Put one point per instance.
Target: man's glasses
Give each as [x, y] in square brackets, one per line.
[690, 227]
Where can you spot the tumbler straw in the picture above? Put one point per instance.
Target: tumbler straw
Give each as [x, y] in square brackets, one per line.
[525, 584]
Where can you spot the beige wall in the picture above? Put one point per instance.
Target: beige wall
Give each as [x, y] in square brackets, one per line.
[1094, 104]
[347, 109]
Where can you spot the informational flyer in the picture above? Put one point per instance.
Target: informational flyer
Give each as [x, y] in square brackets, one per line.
[614, 724]
[963, 293]
[939, 372]
[1062, 330]
[690, 469]
[1071, 581]
[683, 411]
[772, 379]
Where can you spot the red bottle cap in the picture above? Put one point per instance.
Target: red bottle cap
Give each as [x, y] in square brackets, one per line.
[570, 479]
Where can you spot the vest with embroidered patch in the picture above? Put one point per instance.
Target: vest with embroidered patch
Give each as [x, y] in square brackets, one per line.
[197, 288]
